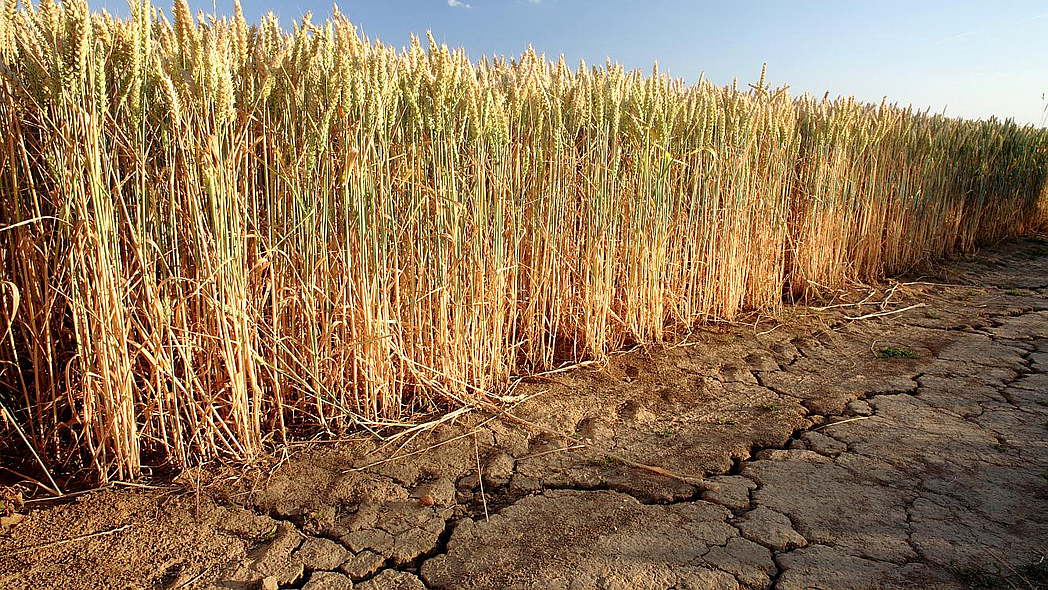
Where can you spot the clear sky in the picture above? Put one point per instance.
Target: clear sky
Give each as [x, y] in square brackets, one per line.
[972, 58]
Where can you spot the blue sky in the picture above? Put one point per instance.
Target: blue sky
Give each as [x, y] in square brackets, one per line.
[973, 59]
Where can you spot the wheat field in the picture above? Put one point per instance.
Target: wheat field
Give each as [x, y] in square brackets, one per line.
[217, 236]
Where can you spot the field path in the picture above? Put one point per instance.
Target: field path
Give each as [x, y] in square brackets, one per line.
[906, 449]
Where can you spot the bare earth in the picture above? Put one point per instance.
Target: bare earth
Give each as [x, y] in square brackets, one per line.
[798, 457]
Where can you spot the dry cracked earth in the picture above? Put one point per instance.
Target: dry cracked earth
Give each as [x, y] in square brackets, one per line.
[904, 450]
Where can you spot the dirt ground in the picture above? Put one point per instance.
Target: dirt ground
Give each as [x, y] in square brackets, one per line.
[907, 449]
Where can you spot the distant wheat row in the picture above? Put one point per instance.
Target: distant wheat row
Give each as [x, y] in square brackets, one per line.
[216, 236]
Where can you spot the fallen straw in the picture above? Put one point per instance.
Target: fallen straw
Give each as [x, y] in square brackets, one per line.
[884, 313]
[844, 422]
[480, 475]
[64, 541]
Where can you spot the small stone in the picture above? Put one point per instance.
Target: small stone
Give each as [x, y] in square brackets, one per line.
[269, 583]
[860, 408]
[822, 444]
[321, 554]
[730, 491]
[441, 492]
[362, 564]
[328, 581]
[392, 580]
[771, 529]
